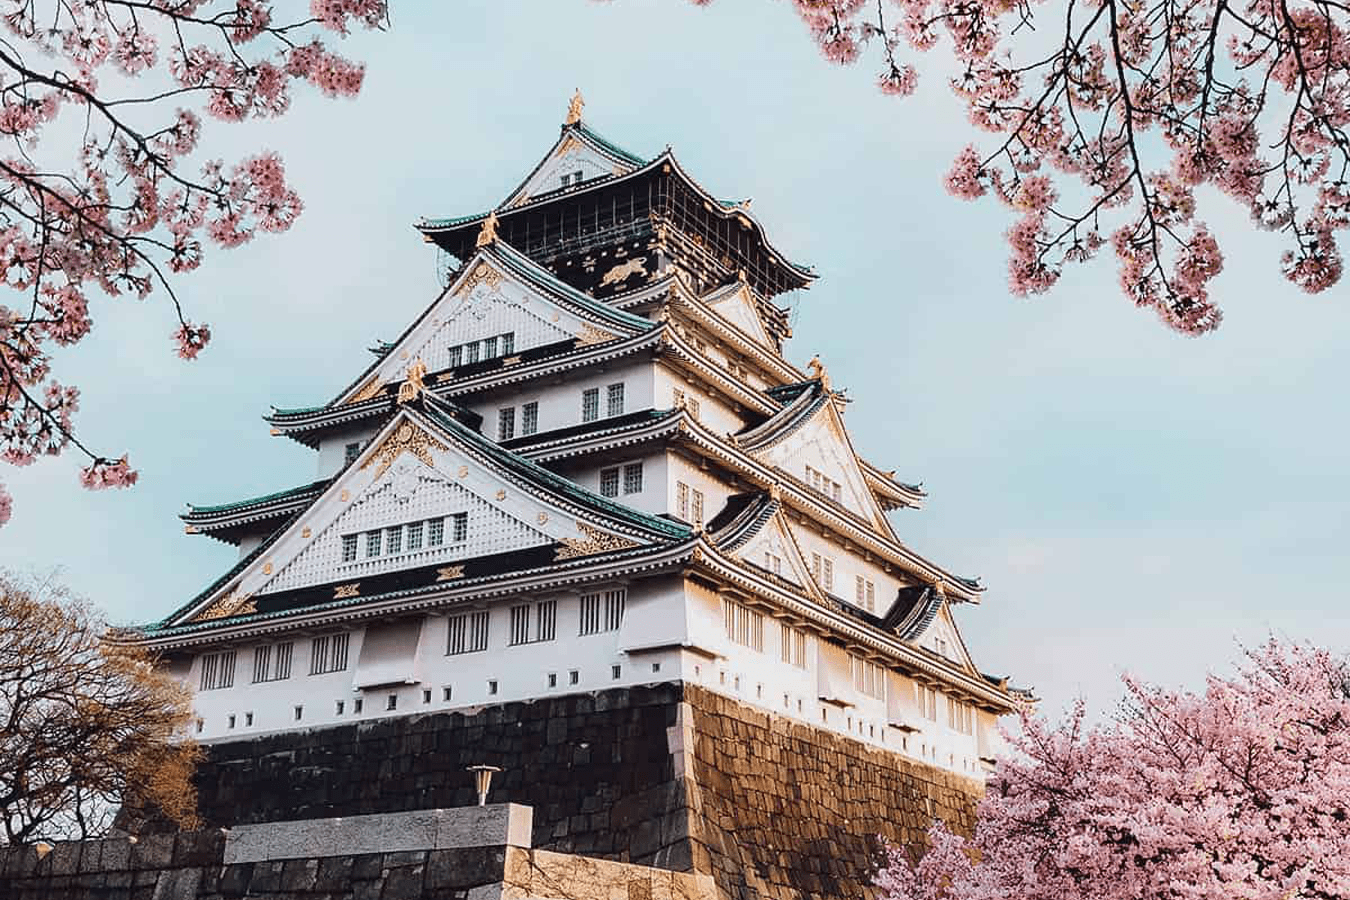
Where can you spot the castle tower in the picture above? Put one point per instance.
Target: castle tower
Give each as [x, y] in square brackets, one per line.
[587, 467]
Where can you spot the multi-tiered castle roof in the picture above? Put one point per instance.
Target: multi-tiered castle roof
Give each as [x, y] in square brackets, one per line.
[587, 463]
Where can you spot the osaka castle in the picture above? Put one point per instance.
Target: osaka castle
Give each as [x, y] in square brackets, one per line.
[589, 463]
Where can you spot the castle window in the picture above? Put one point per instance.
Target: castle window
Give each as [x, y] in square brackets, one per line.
[868, 677]
[508, 343]
[793, 646]
[373, 543]
[351, 452]
[339, 707]
[609, 482]
[415, 536]
[552, 679]
[866, 593]
[426, 695]
[445, 694]
[456, 356]
[632, 478]
[229, 721]
[471, 352]
[468, 633]
[545, 618]
[614, 400]
[744, 626]
[822, 567]
[393, 539]
[356, 705]
[392, 702]
[573, 676]
[299, 713]
[349, 547]
[682, 500]
[328, 653]
[960, 716]
[601, 612]
[691, 404]
[697, 509]
[941, 645]
[272, 662]
[248, 719]
[217, 671]
[435, 532]
[926, 698]
[489, 347]
[529, 418]
[590, 404]
[679, 399]
[773, 562]
[492, 686]
[460, 533]
[506, 423]
[615, 672]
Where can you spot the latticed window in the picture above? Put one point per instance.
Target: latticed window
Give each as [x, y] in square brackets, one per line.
[506, 423]
[415, 536]
[868, 677]
[632, 478]
[544, 615]
[609, 482]
[272, 662]
[866, 593]
[468, 633]
[926, 699]
[489, 347]
[435, 532]
[520, 624]
[614, 400]
[351, 452]
[601, 612]
[960, 716]
[456, 356]
[217, 671]
[508, 343]
[393, 539]
[328, 653]
[696, 508]
[682, 500]
[793, 646]
[349, 547]
[773, 562]
[590, 404]
[744, 626]
[471, 352]
[373, 543]
[529, 418]
[460, 527]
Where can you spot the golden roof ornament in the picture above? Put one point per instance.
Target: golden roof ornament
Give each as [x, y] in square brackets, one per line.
[488, 233]
[412, 385]
[574, 109]
[818, 371]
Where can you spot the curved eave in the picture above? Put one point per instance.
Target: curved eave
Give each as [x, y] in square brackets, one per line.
[856, 633]
[805, 275]
[307, 426]
[611, 151]
[746, 345]
[577, 571]
[887, 489]
[786, 421]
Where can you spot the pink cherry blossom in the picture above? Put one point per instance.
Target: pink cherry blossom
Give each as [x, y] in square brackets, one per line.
[1138, 103]
[130, 209]
[1241, 790]
[6, 504]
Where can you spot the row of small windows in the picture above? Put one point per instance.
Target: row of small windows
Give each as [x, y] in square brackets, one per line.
[532, 623]
[687, 402]
[272, 662]
[864, 590]
[487, 348]
[407, 537]
[869, 678]
[689, 504]
[506, 420]
[590, 402]
[631, 480]
[744, 626]
[823, 484]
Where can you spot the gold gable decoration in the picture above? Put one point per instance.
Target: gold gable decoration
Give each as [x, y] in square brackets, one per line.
[371, 389]
[232, 604]
[488, 233]
[574, 108]
[591, 335]
[413, 385]
[593, 541]
[483, 273]
[408, 438]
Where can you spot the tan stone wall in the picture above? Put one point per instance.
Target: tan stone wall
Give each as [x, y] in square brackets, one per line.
[783, 811]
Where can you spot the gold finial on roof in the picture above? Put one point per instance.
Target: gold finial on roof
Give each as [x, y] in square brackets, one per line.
[488, 233]
[413, 385]
[818, 371]
[574, 109]
[940, 588]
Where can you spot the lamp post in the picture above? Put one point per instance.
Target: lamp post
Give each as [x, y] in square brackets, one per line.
[482, 776]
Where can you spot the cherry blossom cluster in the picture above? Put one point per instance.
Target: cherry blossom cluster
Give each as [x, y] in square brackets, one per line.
[137, 205]
[1105, 126]
[1240, 791]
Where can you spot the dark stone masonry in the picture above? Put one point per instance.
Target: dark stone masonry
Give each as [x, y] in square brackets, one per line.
[669, 776]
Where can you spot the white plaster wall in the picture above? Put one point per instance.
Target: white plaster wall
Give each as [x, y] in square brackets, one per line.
[655, 474]
[712, 413]
[333, 448]
[560, 400]
[715, 492]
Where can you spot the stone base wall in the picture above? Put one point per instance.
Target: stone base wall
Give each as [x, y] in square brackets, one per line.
[672, 776]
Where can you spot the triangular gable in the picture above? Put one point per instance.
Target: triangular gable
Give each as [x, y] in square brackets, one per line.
[498, 292]
[784, 558]
[737, 306]
[944, 638]
[578, 151]
[818, 439]
[422, 467]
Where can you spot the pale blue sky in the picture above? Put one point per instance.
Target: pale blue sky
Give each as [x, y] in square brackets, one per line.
[1133, 499]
